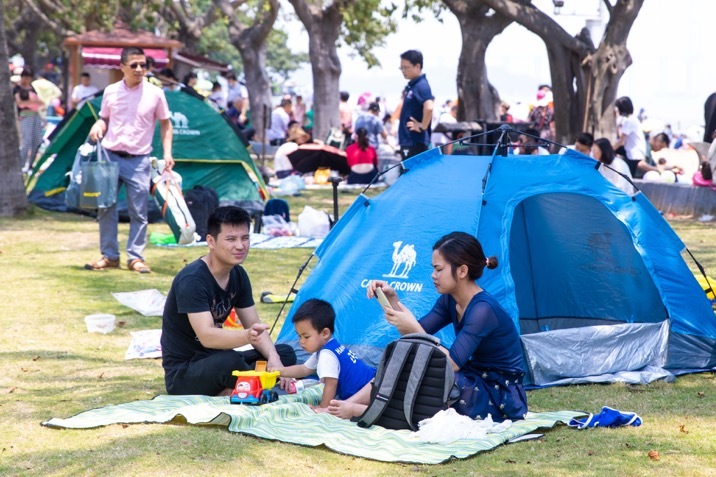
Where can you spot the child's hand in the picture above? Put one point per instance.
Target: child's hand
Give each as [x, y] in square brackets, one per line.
[285, 383]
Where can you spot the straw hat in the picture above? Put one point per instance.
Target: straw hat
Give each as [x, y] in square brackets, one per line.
[298, 133]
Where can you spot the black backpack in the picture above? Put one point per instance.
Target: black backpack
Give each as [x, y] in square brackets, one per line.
[201, 202]
[414, 381]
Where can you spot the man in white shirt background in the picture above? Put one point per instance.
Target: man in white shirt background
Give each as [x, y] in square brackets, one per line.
[280, 117]
[83, 90]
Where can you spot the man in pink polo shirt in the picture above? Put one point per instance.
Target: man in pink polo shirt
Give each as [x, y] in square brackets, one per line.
[130, 110]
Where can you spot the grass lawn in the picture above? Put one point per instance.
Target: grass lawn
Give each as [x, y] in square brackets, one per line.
[51, 367]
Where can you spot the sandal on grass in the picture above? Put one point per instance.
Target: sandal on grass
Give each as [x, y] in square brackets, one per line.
[103, 263]
[138, 265]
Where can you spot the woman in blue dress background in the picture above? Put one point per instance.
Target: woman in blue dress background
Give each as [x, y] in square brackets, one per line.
[486, 354]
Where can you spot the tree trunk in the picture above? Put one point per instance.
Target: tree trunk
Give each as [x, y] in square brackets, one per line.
[13, 200]
[584, 81]
[564, 70]
[28, 48]
[604, 68]
[324, 28]
[22, 33]
[251, 44]
[253, 56]
[477, 97]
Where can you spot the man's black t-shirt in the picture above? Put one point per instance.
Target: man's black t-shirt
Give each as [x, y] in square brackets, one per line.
[195, 290]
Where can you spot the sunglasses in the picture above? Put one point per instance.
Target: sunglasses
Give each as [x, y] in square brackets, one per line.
[133, 66]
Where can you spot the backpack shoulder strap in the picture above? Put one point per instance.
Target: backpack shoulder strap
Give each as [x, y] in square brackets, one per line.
[423, 353]
[386, 384]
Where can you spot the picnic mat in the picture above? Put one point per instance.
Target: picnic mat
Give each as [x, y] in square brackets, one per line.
[291, 420]
[258, 241]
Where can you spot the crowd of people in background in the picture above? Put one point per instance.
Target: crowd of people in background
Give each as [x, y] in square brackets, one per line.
[377, 128]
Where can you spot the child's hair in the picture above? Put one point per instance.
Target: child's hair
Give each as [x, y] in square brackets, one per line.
[705, 169]
[460, 248]
[320, 313]
[24, 95]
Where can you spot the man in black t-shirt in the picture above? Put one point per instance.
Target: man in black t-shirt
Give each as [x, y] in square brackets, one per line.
[198, 354]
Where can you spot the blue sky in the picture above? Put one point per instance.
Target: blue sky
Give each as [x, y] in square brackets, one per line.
[673, 69]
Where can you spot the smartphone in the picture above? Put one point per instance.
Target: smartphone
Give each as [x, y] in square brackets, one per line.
[382, 299]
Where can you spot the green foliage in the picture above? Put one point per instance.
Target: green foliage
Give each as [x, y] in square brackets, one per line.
[280, 60]
[68, 16]
[366, 23]
[417, 9]
[215, 44]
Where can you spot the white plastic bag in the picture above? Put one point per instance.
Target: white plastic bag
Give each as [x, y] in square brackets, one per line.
[145, 344]
[290, 185]
[448, 426]
[147, 302]
[313, 223]
[275, 226]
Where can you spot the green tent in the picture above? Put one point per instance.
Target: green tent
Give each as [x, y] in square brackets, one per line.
[207, 149]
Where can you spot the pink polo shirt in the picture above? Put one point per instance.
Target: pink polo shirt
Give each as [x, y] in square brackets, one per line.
[131, 116]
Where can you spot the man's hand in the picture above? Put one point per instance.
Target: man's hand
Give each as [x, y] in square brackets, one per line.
[414, 125]
[98, 130]
[168, 162]
[255, 333]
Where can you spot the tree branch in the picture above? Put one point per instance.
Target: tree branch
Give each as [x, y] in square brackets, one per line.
[57, 27]
[192, 23]
[302, 11]
[609, 6]
[536, 21]
[476, 10]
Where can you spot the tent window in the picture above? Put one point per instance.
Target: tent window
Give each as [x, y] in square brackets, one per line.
[574, 264]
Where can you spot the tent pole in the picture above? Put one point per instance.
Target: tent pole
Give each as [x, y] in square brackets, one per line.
[335, 180]
[263, 135]
[292, 290]
[503, 142]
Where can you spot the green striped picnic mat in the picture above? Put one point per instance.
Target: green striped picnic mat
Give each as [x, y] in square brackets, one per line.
[291, 420]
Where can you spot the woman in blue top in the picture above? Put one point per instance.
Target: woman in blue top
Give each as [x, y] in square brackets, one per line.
[486, 354]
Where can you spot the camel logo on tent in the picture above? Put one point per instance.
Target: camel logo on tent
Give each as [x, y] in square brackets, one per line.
[404, 259]
[181, 125]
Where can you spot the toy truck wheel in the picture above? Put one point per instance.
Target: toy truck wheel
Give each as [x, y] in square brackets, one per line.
[273, 397]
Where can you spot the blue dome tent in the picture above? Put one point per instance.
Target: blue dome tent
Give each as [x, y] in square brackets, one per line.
[593, 277]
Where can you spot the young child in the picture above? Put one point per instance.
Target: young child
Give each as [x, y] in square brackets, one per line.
[341, 371]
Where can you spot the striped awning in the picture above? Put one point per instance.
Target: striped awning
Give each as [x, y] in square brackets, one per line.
[109, 58]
